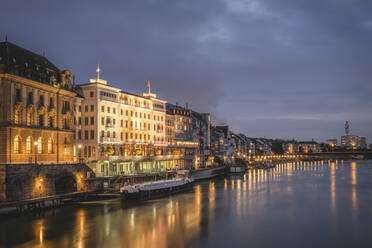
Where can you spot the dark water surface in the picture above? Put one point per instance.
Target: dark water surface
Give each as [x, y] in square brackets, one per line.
[294, 205]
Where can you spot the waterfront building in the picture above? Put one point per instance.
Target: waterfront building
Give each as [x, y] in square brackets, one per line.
[36, 99]
[222, 144]
[125, 133]
[290, 147]
[240, 145]
[179, 134]
[262, 146]
[201, 133]
[353, 142]
[331, 142]
[308, 146]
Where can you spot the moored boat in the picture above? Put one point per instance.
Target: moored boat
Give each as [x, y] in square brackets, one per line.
[142, 192]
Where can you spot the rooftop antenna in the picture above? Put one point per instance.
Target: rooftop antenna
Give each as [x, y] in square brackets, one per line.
[6, 37]
[98, 70]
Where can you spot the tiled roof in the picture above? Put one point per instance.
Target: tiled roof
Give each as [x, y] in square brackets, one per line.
[18, 61]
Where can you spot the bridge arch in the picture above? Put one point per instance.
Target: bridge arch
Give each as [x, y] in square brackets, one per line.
[65, 183]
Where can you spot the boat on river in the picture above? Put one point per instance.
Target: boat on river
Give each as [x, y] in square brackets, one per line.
[151, 190]
[208, 173]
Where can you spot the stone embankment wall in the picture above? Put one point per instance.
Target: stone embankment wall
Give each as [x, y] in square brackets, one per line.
[28, 181]
[2, 183]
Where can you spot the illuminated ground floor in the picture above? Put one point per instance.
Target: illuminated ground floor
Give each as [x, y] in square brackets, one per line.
[105, 168]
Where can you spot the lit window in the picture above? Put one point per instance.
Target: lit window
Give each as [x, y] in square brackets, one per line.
[28, 145]
[16, 144]
[50, 146]
[40, 145]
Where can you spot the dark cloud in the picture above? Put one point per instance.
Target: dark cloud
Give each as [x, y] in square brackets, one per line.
[289, 68]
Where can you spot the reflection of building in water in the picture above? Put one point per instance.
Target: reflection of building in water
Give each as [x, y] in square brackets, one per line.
[333, 188]
[354, 201]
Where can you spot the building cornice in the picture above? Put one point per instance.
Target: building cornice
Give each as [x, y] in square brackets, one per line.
[39, 85]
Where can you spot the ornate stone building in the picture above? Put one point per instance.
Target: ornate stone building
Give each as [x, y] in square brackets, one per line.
[36, 113]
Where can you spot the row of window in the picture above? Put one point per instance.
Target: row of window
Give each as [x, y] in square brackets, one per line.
[127, 136]
[39, 145]
[30, 121]
[86, 121]
[87, 135]
[135, 102]
[132, 124]
[30, 98]
[132, 113]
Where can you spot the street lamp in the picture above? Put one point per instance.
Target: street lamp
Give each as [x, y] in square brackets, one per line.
[79, 151]
[36, 144]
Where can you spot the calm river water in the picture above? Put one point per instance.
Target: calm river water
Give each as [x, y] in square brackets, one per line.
[307, 204]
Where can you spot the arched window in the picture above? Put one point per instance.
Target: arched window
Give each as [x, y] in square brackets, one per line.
[50, 146]
[17, 117]
[16, 144]
[29, 118]
[40, 145]
[28, 144]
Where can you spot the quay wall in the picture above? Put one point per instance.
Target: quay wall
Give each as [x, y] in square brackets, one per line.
[29, 181]
[2, 183]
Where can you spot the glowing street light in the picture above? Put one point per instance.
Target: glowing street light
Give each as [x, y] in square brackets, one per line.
[36, 145]
[79, 151]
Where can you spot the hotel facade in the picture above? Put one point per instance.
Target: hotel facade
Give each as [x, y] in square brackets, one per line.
[120, 133]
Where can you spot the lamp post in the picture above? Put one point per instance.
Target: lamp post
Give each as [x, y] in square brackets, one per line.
[79, 151]
[36, 144]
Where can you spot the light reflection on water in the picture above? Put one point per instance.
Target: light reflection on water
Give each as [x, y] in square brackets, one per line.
[303, 204]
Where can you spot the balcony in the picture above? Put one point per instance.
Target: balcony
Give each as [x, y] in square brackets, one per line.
[110, 125]
[109, 140]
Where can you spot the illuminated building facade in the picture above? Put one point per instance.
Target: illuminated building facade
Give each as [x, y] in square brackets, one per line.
[308, 146]
[124, 133]
[290, 147]
[331, 142]
[354, 142]
[36, 100]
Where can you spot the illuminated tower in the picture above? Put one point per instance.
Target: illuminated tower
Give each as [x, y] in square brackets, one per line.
[347, 128]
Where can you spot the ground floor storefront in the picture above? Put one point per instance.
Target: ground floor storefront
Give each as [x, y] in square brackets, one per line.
[106, 168]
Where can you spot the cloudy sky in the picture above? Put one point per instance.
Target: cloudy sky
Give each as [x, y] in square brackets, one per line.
[283, 69]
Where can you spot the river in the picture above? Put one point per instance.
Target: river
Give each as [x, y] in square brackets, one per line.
[305, 204]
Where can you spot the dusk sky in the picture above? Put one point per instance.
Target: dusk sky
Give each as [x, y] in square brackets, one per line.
[268, 68]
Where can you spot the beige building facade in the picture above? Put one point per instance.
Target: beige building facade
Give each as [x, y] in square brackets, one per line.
[36, 114]
[123, 133]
